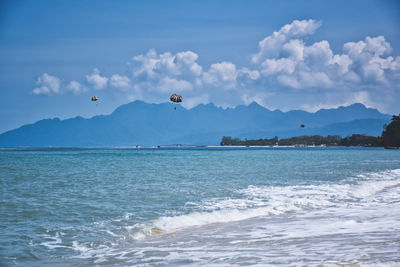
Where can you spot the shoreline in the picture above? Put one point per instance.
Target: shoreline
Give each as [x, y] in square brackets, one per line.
[173, 147]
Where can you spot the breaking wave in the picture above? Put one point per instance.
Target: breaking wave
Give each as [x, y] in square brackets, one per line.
[256, 201]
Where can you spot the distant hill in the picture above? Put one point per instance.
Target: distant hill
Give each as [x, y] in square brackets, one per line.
[159, 124]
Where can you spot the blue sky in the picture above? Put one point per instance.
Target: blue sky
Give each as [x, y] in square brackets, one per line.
[55, 55]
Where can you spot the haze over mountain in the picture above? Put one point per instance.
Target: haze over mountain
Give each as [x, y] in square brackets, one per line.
[159, 124]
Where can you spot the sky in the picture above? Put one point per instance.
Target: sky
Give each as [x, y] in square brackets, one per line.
[287, 55]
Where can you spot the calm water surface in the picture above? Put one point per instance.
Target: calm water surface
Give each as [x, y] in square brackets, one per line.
[210, 206]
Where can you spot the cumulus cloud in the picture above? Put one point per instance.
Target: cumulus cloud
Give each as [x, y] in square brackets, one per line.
[96, 81]
[146, 63]
[167, 72]
[187, 61]
[169, 85]
[221, 75]
[289, 81]
[341, 63]
[318, 55]
[349, 98]
[271, 46]
[285, 58]
[369, 61]
[259, 98]
[191, 102]
[47, 85]
[75, 87]
[286, 62]
[153, 65]
[118, 81]
[251, 74]
[282, 65]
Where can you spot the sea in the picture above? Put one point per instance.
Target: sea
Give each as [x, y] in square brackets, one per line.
[200, 206]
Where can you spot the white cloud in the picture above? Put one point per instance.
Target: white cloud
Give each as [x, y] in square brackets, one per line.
[191, 102]
[119, 81]
[97, 81]
[146, 63]
[289, 81]
[306, 79]
[368, 59]
[362, 97]
[304, 66]
[285, 61]
[259, 98]
[75, 87]
[295, 49]
[341, 63]
[315, 79]
[251, 74]
[282, 65]
[316, 107]
[187, 61]
[169, 85]
[290, 62]
[318, 55]
[167, 72]
[47, 85]
[271, 46]
[378, 45]
[153, 65]
[221, 75]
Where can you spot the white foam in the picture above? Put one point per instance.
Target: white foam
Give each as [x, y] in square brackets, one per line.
[167, 224]
[380, 181]
[78, 247]
[87, 251]
[54, 241]
[256, 201]
[355, 207]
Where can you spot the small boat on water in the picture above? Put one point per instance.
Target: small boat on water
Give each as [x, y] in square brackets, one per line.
[391, 147]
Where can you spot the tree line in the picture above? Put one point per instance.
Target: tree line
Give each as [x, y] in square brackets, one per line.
[390, 138]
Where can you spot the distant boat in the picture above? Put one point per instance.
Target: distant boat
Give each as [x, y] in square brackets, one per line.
[391, 147]
[138, 146]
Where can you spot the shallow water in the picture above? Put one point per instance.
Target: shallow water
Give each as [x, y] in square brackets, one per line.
[208, 206]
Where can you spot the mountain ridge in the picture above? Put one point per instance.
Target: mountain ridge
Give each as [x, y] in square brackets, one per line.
[143, 123]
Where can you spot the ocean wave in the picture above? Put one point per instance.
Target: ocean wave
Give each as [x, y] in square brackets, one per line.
[257, 201]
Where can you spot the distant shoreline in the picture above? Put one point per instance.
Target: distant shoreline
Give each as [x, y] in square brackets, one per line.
[277, 146]
[49, 148]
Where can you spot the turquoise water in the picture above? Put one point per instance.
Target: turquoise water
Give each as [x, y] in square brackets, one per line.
[206, 206]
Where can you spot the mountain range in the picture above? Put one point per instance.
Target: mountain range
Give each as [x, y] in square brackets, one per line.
[160, 124]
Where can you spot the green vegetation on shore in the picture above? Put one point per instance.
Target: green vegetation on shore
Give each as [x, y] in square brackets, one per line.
[317, 140]
[391, 132]
[390, 137]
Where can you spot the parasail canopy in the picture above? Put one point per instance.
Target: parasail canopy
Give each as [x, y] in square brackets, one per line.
[95, 98]
[176, 98]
